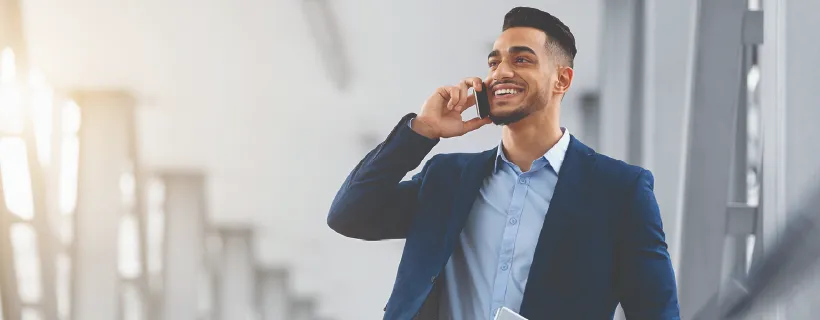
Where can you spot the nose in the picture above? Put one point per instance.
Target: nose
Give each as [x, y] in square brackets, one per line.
[502, 71]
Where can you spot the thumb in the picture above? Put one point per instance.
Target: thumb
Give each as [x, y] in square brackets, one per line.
[475, 123]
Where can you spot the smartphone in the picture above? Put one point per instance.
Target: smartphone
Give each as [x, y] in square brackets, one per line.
[505, 313]
[482, 102]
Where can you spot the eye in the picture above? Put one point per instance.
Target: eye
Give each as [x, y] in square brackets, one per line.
[492, 64]
[521, 60]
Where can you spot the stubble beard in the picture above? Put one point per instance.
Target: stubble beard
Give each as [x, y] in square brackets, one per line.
[528, 107]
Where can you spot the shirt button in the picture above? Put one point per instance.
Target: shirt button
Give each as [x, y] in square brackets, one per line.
[504, 267]
[522, 180]
[433, 279]
[513, 220]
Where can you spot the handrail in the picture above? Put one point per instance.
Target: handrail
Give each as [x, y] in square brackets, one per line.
[788, 261]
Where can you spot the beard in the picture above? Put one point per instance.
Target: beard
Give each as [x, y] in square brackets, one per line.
[528, 107]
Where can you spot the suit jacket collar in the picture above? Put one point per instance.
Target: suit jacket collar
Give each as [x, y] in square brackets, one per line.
[555, 155]
[577, 162]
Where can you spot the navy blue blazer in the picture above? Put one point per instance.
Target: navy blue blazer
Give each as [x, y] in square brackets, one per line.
[602, 241]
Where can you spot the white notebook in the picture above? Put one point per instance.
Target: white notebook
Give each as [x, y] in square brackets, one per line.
[504, 313]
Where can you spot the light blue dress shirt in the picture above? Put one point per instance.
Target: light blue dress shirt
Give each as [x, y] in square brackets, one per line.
[490, 265]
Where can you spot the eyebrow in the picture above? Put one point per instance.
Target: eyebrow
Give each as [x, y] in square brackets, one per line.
[513, 50]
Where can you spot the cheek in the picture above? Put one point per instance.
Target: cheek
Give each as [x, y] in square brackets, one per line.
[539, 88]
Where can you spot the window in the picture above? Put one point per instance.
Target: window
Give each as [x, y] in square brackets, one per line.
[16, 181]
[26, 262]
[15, 165]
[155, 231]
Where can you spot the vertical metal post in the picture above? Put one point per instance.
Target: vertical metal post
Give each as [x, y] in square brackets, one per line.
[635, 146]
[716, 81]
[237, 284]
[274, 298]
[185, 259]
[302, 309]
[734, 263]
[590, 103]
[149, 305]
[618, 76]
[104, 157]
[9, 296]
[669, 43]
[214, 249]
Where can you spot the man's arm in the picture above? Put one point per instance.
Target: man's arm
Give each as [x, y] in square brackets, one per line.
[373, 203]
[647, 281]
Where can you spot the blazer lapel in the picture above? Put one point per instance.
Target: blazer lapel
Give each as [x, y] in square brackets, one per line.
[470, 182]
[568, 195]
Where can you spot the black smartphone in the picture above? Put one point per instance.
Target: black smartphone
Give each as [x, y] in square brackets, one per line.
[482, 102]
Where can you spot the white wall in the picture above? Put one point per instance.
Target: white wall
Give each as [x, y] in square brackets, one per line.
[237, 89]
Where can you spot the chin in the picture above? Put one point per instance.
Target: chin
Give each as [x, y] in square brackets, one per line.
[510, 117]
[509, 114]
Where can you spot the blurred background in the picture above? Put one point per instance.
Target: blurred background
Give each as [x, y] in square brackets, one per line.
[176, 159]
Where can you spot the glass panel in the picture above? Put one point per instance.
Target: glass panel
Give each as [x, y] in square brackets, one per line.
[128, 188]
[63, 284]
[205, 294]
[213, 248]
[754, 142]
[68, 174]
[131, 303]
[750, 249]
[10, 107]
[66, 229]
[129, 249]
[30, 314]
[42, 97]
[155, 224]
[7, 66]
[72, 117]
[26, 261]
[16, 181]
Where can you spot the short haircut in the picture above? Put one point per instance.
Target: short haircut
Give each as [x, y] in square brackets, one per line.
[560, 41]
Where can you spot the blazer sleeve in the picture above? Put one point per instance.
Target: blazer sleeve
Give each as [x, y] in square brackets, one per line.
[648, 289]
[373, 203]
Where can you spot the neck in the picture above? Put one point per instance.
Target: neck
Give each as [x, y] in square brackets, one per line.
[530, 138]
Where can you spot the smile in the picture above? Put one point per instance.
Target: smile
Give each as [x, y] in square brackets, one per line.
[506, 92]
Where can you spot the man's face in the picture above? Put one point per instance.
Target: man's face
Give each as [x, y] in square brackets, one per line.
[520, 75]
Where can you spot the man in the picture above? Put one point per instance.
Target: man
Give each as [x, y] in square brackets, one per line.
[541, 224]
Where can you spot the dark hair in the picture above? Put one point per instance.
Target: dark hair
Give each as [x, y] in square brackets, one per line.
[560, 41]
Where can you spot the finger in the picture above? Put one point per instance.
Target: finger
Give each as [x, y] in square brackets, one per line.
[444, 93]
[473, 82]
[475, 123]
[488, 81]
[477, 84]
[463, 94]
[454, 97]
[447, 94]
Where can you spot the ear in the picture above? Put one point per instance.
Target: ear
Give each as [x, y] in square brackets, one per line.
[565, 75]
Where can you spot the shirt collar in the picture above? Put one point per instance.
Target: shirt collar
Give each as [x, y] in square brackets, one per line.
[554, 156]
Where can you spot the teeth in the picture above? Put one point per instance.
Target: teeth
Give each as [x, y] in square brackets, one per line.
[505, 91]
